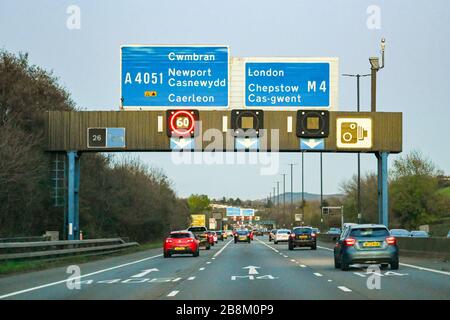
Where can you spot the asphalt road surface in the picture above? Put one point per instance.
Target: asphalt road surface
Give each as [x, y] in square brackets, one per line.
[260, 270]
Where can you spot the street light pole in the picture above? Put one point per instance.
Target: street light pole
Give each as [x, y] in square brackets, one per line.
[358, 76]
[278, 195]
[374, 68]
[284, 193]
[292, 190]
[303, 183]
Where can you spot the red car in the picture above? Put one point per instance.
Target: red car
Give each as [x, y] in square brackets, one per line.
[181, 242]
[211, 238]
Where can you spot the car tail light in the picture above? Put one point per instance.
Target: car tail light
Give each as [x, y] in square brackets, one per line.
[292, 235]
[350, 242]
[169, 240]
[190, 240]
[391, 241]
[313, 235]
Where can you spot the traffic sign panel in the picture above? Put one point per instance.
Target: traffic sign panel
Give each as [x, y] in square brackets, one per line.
[174, 76]
[287, 84]
[312, 144]
[106, 138]
[354, 133]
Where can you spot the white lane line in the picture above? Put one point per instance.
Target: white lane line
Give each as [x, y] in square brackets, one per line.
[285, 256]
[201, 269]
[176, 279]
[208, 262]
[292, 260]
[191, 278]
[303, 266]
[317, 274]
[213, 258]
[408, 265]
[173, 293]
[223, 248]
[425, 269]
[329, 280]
[75, 278]
[345, 289]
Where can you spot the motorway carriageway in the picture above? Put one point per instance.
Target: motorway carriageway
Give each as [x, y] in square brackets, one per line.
[260, 270]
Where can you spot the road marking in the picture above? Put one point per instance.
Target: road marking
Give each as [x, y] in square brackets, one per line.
[425, 269]
[223, 248]
[251, 269]
[201, 269]
[208, 262]
[213, 258]
[176, 279]
[329, 280]
[317, 274]
[303, 266]
[191, 278]
[173, 293]
[293, 260]
[407, 265]
[345, 289]
[75, 278]
[285, 256]
[144, 273]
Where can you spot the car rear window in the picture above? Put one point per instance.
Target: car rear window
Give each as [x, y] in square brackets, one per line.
[283, 231]
[302, 231]
[197, 229]
[242, 233]
[180, 235]
[369, 232]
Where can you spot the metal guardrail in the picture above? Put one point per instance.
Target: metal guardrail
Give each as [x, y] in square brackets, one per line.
[25, 239]
[23, 250]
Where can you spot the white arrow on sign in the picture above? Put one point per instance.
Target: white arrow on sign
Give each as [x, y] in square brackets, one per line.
[182, 143]
[251, 269]
[312, 143]
[144, 273]
[247, 142]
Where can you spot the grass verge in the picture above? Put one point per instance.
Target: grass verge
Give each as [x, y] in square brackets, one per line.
[19, 266]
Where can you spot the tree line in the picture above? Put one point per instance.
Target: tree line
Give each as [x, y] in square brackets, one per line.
[119, 196]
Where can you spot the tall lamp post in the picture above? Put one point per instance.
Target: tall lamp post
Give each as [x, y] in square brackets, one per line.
[292, 190]
[284, 193]
[358, 76]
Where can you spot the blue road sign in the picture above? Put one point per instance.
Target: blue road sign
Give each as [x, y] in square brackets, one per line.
[246, 143]
[287, 84]
[177, 143]
[174, 76]
[248, 212]
[115, 137]
[312, 144]
[232, 211]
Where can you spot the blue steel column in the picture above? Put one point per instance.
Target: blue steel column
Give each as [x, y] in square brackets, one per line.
[383, 194]
[384, 188]
[72, 197]
[76, 197]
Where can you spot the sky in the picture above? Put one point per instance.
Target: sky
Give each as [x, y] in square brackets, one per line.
[415, 80]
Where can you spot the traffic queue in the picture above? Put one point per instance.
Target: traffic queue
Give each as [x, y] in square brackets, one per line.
[354, 244]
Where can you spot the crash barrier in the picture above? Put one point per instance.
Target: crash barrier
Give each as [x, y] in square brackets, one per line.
[25, 239]
[424, 247]
[40, 249]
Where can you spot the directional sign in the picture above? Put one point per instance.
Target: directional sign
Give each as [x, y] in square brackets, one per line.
[246, 143]
[233, 212]
[287, 84]
[198, 220]
[312, 144]
[182, 143]
[248, 212]
[174, 76]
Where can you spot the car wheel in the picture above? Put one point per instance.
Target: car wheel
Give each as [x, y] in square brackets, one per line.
[196, 253]
[337, 264]
[166, 255]
[270, 239]
[235, 241]
[344, 265]
[275, 241]
[394, 265]
[208, 247]
[291, 247]
[314, 247]
[384, 265]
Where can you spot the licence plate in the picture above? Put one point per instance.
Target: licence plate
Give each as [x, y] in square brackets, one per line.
[242, 238]
[371, 244]
[179, 248]
[303, 237]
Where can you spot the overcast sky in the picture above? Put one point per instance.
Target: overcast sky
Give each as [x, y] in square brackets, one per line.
[415, 81]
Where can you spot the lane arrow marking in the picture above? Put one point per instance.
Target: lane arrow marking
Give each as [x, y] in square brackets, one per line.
[251, 269]
[144, 273]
